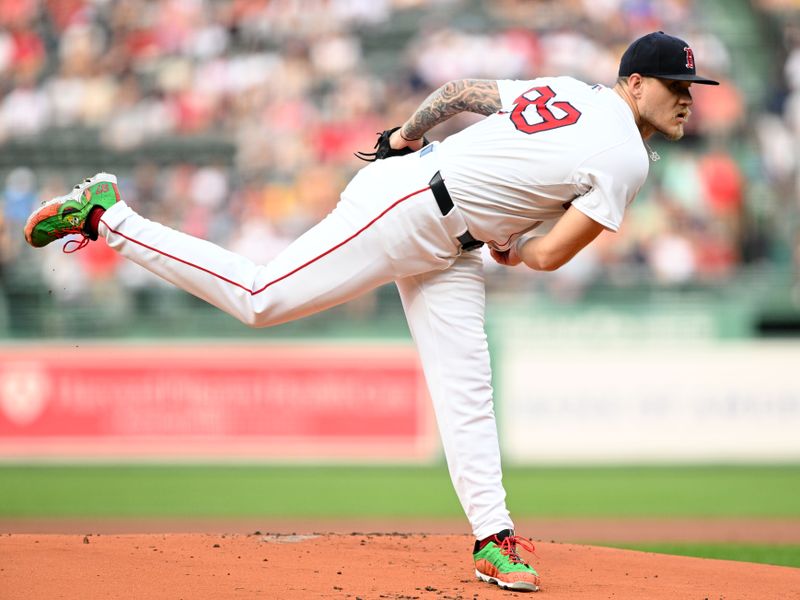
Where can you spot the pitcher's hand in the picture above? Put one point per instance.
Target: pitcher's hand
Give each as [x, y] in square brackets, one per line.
[508, 258]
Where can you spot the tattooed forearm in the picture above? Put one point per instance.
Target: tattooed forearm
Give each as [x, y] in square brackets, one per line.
[473, 95]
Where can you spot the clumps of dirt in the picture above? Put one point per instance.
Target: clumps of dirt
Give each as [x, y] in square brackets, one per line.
[367, 566]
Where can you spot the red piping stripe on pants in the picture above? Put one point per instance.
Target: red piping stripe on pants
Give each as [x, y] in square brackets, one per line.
[281, 278]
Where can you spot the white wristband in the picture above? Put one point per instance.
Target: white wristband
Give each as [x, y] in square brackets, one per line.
[521, 241]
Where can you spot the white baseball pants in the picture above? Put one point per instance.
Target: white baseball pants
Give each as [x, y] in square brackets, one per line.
[386, 227]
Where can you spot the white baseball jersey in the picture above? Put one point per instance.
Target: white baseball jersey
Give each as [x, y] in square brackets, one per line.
[556, 140]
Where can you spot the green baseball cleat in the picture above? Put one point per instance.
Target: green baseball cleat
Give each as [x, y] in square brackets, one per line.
[497, 561]
[67, 215]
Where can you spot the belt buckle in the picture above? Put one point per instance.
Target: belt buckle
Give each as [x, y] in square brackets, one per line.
[469, 243]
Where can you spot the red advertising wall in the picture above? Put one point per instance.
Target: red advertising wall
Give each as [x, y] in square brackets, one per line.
[365, 402]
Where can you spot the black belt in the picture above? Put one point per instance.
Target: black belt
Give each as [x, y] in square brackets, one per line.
[445, 203]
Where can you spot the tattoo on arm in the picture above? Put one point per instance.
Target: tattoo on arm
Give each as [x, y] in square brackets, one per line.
[472, 95]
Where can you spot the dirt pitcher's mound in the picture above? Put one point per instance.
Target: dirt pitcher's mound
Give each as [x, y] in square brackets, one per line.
[367, 566]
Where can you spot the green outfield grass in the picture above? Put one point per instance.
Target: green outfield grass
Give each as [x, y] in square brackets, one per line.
[782, 555]
[223, 491]
[393, 491]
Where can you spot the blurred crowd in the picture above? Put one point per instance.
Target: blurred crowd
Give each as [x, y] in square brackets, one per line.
[296, 87]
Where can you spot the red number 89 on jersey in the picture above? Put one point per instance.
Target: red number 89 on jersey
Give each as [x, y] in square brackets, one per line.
[540, 98]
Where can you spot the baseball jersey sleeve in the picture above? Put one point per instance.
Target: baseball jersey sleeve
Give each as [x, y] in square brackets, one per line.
[609, 181]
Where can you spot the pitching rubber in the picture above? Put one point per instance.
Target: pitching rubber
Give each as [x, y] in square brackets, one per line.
[516, 586]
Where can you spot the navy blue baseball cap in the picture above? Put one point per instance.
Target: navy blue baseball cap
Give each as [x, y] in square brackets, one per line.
[662, 56]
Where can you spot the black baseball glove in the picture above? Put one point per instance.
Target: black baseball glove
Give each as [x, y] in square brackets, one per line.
[384, 150]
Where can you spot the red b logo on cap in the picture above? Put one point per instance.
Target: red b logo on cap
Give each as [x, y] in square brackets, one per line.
[689, 57]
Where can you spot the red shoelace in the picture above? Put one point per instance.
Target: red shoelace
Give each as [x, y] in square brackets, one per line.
[509, 547]
[84, 241]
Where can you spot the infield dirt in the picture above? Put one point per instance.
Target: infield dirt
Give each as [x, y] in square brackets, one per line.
[367, 566]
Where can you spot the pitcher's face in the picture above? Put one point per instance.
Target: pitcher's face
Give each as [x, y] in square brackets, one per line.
[664, 106]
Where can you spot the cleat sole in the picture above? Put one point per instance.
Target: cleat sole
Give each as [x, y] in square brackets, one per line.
[514, 586]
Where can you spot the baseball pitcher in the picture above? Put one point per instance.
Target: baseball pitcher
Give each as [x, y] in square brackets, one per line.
[554, 163]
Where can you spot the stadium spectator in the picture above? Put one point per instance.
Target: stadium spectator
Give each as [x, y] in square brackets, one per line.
[295, 88]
